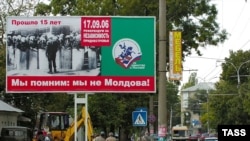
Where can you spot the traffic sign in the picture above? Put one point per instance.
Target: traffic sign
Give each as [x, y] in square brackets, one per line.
[139, 118]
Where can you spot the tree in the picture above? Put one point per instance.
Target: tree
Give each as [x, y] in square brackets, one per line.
[2, 68]
[110, 112]
[196, 19]
[236, 61]
[14, 8]
[197, 100]
[173, 103]
[42, 9]
[246, 97]
[191, 81]
[232, 109]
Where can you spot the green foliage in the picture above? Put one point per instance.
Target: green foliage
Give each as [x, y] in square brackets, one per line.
[114, 110]
[245, 91]
[42, 9]
[173, 102]
[191, 81]
[232, 106]
[194, 102]
[2, 67]
[196, 19]
[236, 61]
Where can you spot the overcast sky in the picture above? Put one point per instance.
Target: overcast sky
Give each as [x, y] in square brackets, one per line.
[234, 16]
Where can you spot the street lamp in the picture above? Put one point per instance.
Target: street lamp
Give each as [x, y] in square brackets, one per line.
[237, 69]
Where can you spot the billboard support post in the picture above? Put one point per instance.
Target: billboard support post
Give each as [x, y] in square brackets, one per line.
[80, 101]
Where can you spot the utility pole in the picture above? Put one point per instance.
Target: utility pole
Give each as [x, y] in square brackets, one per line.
[237, 69]
[162, 98]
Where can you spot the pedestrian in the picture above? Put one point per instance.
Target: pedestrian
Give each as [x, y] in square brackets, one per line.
[146, 137]
[101, 137]
[51, 50]
[111, 137]
[48, 137]
[132, 138]
[40, 136]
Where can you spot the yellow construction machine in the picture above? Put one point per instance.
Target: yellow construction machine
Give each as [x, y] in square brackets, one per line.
[57, 124]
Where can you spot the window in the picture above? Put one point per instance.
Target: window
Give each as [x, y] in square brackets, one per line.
[185, 96]
[185, 104]
[55, 121]
[179, 133]
[19, 133]
[10, 132]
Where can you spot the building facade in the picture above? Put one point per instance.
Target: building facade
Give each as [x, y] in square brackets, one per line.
[8, 115]
[189, 115]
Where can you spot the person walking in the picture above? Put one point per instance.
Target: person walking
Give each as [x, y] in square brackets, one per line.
[48, 137]
[146, 137]
[101, 137]
[111, 137]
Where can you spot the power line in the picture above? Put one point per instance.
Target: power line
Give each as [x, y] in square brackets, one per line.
[245, 44]
[210, 72]
[244, 29]
[235, 24]
[238, 17]
[204, 57]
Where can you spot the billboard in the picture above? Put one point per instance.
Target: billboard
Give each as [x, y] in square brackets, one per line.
[80, 54]
[175, 55]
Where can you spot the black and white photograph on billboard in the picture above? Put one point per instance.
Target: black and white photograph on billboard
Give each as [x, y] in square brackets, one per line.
[51, 50]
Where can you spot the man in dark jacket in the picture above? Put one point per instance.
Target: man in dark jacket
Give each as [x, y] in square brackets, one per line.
[52, 47]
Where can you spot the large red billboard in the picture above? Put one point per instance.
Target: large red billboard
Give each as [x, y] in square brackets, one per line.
[80, 54]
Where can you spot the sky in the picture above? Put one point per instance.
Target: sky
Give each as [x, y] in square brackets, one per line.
[234, 16]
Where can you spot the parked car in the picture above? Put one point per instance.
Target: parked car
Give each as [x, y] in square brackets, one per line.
[213, 135]
[194, 137]
[203, 136]
[16, 133]
[211, 139]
